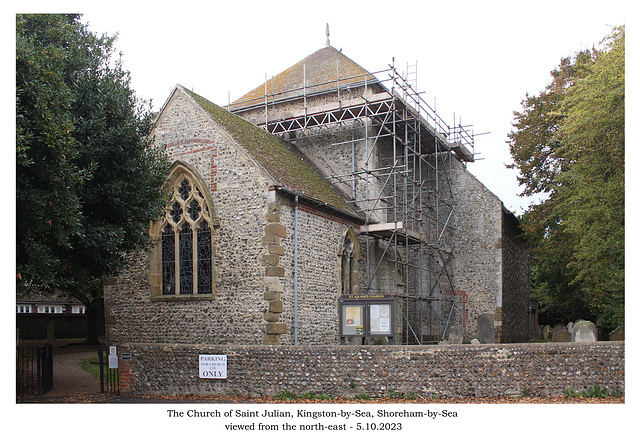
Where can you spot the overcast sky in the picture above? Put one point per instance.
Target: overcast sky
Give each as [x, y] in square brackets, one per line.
[475, 59]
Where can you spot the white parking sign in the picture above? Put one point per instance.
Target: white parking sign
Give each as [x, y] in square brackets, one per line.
[213, 367]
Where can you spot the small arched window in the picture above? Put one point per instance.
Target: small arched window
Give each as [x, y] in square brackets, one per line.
[182, 264]
[349, 256]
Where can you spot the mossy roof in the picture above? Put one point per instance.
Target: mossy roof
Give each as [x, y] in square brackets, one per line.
[285, 164]
[320, 69]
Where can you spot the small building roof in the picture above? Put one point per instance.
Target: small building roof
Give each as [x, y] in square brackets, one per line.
[32, 295]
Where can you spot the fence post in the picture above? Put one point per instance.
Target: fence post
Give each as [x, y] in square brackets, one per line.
[47, 369]
[101, 361]
[39, 370]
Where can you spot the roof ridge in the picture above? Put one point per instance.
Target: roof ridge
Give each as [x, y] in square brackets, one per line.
[283, 162]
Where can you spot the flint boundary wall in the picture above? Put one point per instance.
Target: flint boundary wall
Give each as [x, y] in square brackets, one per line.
[489, 370]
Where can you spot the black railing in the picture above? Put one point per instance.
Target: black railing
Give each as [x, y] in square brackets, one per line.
[109, 377]
[34, 370]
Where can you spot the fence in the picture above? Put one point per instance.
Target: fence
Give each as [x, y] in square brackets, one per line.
[34, 370]
[109, 376]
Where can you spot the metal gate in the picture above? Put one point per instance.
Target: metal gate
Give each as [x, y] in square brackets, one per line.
[109, 377]
[34, 370]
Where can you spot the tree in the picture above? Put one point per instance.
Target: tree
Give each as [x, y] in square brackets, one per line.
[592, 192]
[568, 143]
[47, 206]
[88, 180]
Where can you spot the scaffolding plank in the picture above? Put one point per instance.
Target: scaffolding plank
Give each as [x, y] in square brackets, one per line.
[463, 152]
[390, 229]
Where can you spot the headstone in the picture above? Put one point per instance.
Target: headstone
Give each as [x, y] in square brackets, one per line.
[584, 332]
[486, 328]
[547, 333]
[562, 336]
[559, 327]
[570, 327]
[475, 341]
[456, 334]
[617, 334]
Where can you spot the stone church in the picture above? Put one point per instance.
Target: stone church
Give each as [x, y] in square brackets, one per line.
[328, 205]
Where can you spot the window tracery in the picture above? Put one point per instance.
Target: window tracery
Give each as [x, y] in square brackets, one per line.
[183, 259]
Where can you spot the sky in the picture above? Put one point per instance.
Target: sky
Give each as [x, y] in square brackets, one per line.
[475, 60]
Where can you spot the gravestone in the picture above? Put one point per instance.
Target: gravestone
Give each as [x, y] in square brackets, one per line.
[486, 328]
[617, 334]
[547, 333]
[475, 341]
[584, 332]
[570, 327]
[559, 327]
[562, 336]
[456, 334]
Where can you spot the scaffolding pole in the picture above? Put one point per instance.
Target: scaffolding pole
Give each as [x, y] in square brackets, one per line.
[407, 199]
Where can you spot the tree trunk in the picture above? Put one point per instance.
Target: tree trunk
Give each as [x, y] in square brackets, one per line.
[95, 322]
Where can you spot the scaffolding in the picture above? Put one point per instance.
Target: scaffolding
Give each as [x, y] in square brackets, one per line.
[401, 181]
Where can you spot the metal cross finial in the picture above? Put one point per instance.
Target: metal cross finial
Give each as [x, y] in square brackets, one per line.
[328, 43]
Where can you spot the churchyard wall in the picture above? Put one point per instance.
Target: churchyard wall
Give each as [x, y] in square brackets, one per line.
[489, 370]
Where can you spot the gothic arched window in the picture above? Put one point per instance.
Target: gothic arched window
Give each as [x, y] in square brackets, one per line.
[182, 263]
[349, 255]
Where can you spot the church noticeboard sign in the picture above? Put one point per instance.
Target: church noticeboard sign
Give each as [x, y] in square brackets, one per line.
[213, 366]
[380, 319]
[353, 320]
[366, 316]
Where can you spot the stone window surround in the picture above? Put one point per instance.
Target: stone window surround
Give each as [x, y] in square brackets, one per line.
[180, 170]
[348, 262]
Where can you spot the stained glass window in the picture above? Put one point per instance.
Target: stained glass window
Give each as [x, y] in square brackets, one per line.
[168, 261]
[186, 259]
[186, 243]
[205, 271]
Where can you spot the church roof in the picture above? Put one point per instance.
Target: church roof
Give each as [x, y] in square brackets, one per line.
[286, 165]
[321, 70]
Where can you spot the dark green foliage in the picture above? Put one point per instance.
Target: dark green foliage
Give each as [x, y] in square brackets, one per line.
[47, 206]
[88, 182]
[568, 143]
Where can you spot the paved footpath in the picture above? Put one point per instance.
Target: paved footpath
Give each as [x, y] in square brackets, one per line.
[70, 382]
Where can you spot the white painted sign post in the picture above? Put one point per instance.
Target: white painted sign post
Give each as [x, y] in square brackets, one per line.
[113, 357]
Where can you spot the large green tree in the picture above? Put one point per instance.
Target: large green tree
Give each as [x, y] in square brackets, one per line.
[88, 182]
[568, 144]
